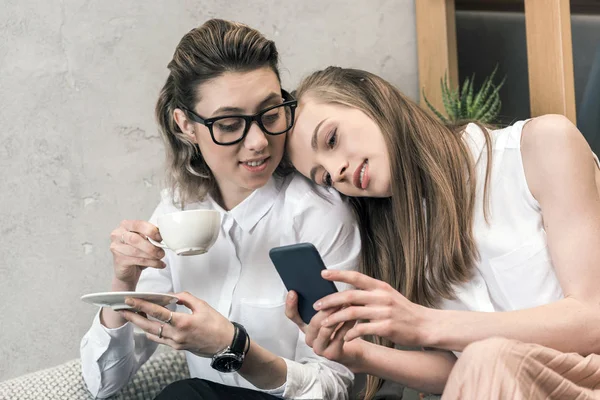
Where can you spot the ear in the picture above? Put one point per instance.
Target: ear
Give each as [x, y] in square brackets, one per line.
[185, 125]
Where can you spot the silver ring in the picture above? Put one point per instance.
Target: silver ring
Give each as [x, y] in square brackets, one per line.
[123, 237]
[170, 319]
[160, 331]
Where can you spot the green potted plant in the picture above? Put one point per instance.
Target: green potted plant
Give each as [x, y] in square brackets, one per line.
[464, 105]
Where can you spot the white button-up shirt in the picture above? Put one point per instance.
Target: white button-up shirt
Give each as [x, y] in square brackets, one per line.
[236, 278]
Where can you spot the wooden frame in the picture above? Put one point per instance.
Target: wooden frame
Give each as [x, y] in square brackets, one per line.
[550, 58]
[549, 51]
[436, 47]
[577, 6]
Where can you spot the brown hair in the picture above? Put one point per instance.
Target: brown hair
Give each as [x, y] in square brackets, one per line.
[419, 240]
[204, 53]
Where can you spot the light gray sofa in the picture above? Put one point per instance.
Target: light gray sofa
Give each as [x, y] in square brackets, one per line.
[64, 382]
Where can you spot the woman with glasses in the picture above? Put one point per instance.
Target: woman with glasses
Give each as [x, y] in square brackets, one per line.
[223, 117]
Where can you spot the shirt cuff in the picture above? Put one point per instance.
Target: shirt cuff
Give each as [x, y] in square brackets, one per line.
[302, 381]
[277, 392]
[118, 338]
[99, 344]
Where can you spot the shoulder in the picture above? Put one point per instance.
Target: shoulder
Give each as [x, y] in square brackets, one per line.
[475, 136]
[549, 130]
[553, 148]
[317, 212]
[324, 218]
[304, 197]
[170, 201]
[167, 202]
[551, 136]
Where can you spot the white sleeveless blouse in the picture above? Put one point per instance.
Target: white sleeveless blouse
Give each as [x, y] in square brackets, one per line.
[515, 270]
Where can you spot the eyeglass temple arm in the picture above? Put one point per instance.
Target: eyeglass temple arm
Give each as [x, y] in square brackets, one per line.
[195, 116]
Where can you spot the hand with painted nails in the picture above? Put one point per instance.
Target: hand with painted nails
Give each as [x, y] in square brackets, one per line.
[327, 341]
[132, 253]
[204, 332]
[381, 310]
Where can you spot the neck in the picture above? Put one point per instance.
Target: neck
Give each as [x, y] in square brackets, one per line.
[229, 197]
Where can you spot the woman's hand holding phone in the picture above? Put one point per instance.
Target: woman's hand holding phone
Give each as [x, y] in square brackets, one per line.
[327, 341]
[300, 267]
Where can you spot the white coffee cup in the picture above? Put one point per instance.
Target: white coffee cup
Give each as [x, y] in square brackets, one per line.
[190, 232]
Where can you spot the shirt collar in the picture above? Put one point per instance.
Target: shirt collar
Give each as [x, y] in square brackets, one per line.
[254, 207]
[474, 138]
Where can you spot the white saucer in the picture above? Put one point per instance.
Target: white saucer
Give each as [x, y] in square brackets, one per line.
[116, 300]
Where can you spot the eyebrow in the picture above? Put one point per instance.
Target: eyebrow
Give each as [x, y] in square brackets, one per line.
[313, 141]
[314, 145]
[268, 99]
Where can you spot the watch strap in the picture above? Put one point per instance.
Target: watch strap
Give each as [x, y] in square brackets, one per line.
[238, 344]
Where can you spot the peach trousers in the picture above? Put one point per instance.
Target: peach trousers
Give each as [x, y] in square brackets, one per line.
[498, 368]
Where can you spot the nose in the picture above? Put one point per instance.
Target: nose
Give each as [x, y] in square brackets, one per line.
[338, 170]
[256, 140]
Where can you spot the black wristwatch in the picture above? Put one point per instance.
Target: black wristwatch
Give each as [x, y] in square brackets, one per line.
[231, 358]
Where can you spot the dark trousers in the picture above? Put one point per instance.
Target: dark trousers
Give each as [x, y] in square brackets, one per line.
[200, 389]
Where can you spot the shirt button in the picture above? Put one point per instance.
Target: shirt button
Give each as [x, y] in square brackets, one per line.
[479, 285]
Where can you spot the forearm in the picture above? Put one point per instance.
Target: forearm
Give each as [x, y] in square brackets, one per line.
[305, 377]
[263, 369]
[110, 318]
[553, 325]
[421, 370]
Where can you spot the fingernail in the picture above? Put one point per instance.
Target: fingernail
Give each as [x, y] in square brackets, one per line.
[291, 296]
[317, 305]
[325, 273]
[346, 338]
[325, 322]
[129, 302]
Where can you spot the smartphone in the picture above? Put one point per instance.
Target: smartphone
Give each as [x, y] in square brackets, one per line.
[299, 266]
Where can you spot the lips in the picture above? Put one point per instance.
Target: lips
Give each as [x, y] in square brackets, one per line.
[255, 161]
[360, 177]
[256, 165]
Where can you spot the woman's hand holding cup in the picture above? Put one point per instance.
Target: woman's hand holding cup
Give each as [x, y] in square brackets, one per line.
[136, 245]
[132, 252]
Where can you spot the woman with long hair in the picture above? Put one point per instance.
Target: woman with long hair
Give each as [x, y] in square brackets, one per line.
[468, 233]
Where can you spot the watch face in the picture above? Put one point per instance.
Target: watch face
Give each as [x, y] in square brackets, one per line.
[227, 362]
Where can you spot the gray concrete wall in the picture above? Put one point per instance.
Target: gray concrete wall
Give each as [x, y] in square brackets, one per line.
[79, 150]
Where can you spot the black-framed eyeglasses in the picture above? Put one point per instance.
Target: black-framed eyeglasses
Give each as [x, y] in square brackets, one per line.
[231, 129]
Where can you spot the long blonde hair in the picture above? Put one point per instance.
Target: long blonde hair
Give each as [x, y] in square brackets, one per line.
[419, 240]
[204, 53]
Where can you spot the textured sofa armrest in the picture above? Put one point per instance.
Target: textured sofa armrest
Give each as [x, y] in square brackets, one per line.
[65, 381]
